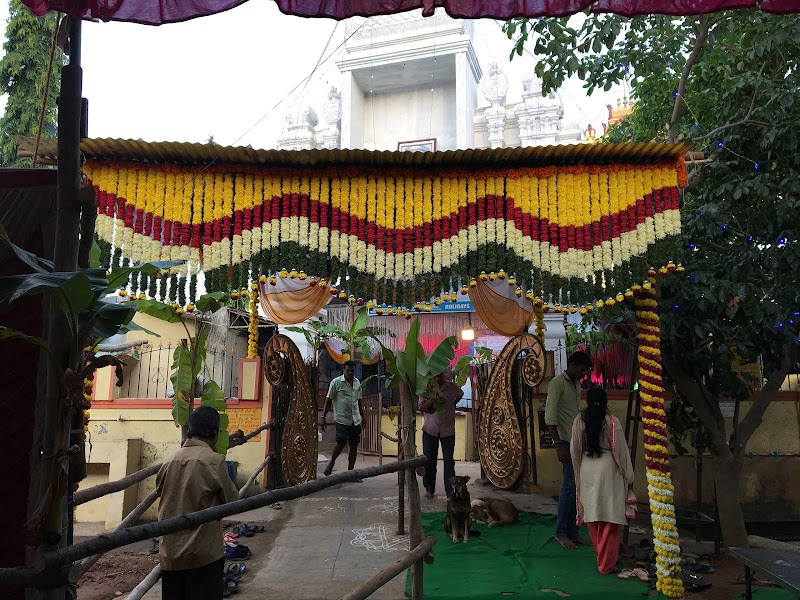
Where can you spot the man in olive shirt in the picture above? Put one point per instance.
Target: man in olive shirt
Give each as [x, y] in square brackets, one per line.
[344, 394]
[563, 405]
[194, 478]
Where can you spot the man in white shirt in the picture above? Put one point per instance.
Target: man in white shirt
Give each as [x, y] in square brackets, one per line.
[344, 395]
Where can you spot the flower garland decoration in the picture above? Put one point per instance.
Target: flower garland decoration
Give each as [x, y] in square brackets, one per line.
[252, 326]
[394, 235]
[654, 419]
[538, 313]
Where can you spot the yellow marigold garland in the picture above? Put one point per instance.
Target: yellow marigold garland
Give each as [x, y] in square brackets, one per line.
[252, 326]
[654, 419]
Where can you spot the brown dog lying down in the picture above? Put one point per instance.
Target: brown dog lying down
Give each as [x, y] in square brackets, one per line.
[493, 511]
[457, 522]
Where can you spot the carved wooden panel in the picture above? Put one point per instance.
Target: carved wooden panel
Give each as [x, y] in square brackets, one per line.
[283, 365]
[500, 443]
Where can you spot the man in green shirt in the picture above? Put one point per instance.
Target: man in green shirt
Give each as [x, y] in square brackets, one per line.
[563, 405]
[344, 394]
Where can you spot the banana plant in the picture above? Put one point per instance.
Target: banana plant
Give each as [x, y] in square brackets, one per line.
[358, 335]
[418, 371]
[81, 297]
[187, 362]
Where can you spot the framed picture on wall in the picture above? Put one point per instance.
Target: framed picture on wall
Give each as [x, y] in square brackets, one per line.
[428, 145]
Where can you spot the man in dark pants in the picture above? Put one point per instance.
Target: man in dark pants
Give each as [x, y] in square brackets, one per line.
[440, 427]
[344, 394]
[563, 405]
[194, 478]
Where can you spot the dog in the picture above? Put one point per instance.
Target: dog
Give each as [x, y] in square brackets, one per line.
[493, 511]
[457, 522]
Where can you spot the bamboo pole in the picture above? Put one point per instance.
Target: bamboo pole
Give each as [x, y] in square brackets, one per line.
[145, 584]
[379, 580]
[252, 477]
[117, 539]
[128, 521]
[98, 491]
[412, 487]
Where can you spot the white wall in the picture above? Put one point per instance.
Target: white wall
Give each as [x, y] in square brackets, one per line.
[409, 114]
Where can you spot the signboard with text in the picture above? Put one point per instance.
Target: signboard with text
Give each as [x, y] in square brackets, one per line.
[460, 306]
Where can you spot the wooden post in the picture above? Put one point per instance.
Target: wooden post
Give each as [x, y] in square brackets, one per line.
[366, 589]
[56, 432]
[408, 436]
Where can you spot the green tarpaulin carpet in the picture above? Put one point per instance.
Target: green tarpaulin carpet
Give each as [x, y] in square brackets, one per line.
[519, 561]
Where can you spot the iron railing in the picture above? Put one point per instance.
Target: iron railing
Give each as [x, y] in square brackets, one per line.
[149, 376]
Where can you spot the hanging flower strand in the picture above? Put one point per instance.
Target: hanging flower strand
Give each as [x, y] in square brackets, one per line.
[252, 326]
[654, 419]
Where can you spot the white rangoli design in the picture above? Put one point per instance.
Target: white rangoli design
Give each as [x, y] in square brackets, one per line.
[376, 538]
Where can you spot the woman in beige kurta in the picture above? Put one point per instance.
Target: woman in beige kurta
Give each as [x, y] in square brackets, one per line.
[603, 476]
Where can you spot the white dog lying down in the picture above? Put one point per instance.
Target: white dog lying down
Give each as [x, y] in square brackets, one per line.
[493, 511]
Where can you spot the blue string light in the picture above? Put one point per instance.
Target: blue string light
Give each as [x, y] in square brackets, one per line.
[750, 239]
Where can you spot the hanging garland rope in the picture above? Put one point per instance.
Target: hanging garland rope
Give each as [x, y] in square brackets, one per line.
[654, 419]
[401, 238]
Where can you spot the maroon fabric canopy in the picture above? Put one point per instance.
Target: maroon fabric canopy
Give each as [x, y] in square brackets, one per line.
[157, 12]
[506, 9]
[146, 12]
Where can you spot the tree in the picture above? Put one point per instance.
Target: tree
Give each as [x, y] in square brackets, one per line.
[24, 72]
[729, 84]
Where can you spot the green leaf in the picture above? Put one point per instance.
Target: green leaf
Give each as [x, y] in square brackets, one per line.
[94, 255]
[6, 333]
[360, 322]
[411, 351]
[213, 396]
[182, 382]
[461, 369]
[156, 309]
[442, 355]
[211, 302]
[107, 320]
[180, 409]
[39, 265]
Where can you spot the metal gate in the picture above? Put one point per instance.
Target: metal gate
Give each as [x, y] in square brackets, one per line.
[293, 440]
[371, 436]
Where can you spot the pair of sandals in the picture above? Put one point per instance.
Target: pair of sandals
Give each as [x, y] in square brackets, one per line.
[247, 530]
[231, 578]
[638, 572]
[238, 552]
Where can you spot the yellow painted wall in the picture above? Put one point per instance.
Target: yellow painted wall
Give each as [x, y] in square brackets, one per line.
[464, 449]
[764, 478]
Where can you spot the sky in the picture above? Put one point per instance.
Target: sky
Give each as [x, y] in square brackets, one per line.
[235, 75]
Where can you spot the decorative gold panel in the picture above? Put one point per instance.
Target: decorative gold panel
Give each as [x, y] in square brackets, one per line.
[283, 365]
[499, 435]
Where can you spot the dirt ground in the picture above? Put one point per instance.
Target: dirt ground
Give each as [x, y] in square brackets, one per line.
[114, 575]
[117, 573]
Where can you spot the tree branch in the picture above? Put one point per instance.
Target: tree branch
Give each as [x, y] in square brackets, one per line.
[694, 392]
[700, 39]
[744, 120]
[752, 420]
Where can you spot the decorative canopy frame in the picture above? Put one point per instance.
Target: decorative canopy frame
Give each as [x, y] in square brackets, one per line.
[152, 12]
[571, 224]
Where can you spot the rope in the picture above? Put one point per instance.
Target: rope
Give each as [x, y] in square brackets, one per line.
[46, 91]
